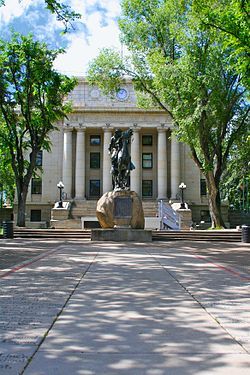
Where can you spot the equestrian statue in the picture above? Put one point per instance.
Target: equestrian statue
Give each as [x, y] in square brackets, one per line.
[121, 163]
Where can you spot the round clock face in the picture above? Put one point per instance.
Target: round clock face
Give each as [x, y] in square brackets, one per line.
[122, 94]
[95, 93]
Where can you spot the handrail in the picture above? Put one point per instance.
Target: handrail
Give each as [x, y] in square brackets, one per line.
[169, 218]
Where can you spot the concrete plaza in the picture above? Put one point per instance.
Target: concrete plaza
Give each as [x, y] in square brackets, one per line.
[81, 307]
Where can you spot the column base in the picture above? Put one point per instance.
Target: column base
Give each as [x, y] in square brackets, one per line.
[80, 198]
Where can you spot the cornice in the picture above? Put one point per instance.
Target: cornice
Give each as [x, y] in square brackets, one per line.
[117, 109]
[82, 79]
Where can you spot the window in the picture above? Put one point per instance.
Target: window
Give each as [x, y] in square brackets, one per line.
[147, 160]
[95, 140]
[39, 159]
[203, 187]
[147, 188]
[95, 160]
[35, 215]
[94, 188]
[36, 186]
[147, 140]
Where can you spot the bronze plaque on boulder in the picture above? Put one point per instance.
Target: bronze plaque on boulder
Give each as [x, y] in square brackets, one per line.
[122, 207]
[127, 203]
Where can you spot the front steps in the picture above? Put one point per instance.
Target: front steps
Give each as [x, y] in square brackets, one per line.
[80, 208]
[64, 234]
[223, 235]
[150, 208]
[194, 235]
[82, 215]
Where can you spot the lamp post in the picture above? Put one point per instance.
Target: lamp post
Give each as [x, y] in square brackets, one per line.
[182, 187]
[60, 187]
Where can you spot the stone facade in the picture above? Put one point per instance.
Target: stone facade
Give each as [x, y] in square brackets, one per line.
[79, 155]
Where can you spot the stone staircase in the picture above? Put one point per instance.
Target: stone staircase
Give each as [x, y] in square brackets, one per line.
[150, 208]
[82, 214]
[80, 208]
[63, 234]
[195, 235]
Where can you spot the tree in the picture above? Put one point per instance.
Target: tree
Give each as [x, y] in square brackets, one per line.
[183, 70]
[232, 19]
[7, 178]
[62, 11]
[236, 179]
[31, 101]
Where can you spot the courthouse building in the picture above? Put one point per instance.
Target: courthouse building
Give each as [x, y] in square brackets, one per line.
[79, 158]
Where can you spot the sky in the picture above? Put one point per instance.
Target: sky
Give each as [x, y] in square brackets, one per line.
[97, 28]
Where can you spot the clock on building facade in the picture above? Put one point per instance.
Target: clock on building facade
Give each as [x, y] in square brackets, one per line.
[122, 94]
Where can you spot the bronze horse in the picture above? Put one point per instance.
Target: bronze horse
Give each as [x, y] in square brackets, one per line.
[121, 159]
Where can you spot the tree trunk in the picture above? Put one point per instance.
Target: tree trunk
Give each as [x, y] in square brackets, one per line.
[21, 206]
[214, 201]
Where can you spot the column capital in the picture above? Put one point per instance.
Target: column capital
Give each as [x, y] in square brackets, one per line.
[161, 129]
[136, 128]
[107, 129]
[81, 129]
[67, 129]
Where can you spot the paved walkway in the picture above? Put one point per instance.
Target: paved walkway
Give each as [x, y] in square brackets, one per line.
[109, 308]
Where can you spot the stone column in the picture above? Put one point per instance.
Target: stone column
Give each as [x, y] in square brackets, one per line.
[80, 164]
[175, 167]
[135, 174]
[106, 165]
[162, 163]
[67, 162]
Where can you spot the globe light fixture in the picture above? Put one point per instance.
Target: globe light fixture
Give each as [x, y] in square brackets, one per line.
[182, 187]
[60, 187]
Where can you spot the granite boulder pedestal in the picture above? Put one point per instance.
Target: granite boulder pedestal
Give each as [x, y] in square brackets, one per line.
[120, 214]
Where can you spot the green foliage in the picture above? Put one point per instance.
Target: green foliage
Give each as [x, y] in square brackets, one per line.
[107, 69]
[63, 12]
[235, 184]
[232, 19]
[32, 93]
[7, 178]
[184, 69]
[32, 97]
